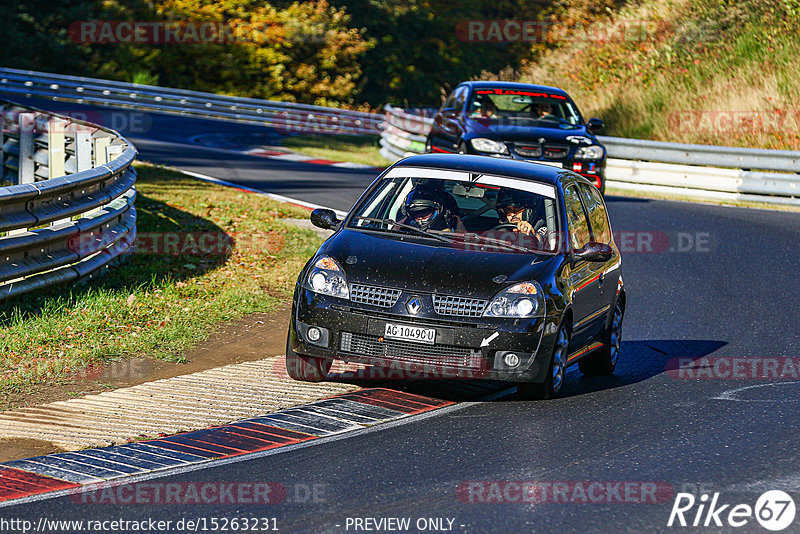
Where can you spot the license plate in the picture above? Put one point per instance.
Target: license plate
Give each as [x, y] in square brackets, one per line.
[410, 333]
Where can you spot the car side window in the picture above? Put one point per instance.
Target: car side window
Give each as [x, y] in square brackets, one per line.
[449, 103]
[576, 218]
[598, 217]
[460, 99]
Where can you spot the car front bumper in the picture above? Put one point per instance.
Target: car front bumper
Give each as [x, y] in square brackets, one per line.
[471, 349]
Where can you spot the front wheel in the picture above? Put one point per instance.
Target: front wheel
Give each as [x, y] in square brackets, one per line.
[556, 372]
[603, 361]
[306, 368]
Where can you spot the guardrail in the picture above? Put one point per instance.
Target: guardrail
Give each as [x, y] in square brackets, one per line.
[286, 116]
[66, 208]
[703, 171]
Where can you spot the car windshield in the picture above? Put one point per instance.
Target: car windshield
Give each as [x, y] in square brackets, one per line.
[462, 213]
[524, 108]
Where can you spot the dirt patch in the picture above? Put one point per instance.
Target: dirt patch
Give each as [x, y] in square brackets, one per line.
[19, 449]
[251, 338]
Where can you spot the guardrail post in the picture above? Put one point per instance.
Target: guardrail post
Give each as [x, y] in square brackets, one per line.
[27, 149]
[101, 150]
[83, 151]
[55, 147]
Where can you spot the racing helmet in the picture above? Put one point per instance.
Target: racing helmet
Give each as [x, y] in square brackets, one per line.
[512, 199]
[427, 208]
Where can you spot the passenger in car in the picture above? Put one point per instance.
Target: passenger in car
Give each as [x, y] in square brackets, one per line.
[523, 212]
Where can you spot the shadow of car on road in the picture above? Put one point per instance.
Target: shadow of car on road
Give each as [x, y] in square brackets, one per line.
[639, 360]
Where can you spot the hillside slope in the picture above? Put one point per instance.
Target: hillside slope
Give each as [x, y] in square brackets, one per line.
[702, 71]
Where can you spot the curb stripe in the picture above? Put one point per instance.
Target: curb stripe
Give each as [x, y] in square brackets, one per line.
[15, 484]
[62, 474]
[353, 411]
[302, 158]
[161, 452]
[177, 447]
[289, 435]
[87, 459]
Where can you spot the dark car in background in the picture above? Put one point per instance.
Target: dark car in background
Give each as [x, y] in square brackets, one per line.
[480, 267]
[519, 121]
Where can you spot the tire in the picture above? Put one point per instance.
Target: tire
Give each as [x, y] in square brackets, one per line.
[604, 360]
[556, 372]
[306, 368]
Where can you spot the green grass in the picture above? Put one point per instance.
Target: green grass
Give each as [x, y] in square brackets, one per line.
[355, 148]
[158, 304]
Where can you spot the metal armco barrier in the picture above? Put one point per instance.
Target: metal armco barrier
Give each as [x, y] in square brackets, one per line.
[66, 201]
[702, 171]
[286, 116]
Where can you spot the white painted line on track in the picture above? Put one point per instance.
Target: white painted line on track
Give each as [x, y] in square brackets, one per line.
[273, 196]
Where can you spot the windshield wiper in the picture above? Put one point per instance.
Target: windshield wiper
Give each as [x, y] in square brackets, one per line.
[414, 229]
[493, 241]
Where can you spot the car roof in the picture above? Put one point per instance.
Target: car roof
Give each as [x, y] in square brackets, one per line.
[514, 85]
[524, 170]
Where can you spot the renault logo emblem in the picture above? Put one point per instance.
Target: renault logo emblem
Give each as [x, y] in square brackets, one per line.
[414, 305]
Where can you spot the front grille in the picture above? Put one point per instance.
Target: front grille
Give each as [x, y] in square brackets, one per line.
[383, 297]
[528, 151]
[555, 151]
[406, 351]
[460, 306]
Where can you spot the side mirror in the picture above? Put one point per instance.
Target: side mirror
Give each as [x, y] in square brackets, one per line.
[325, 219]
[594, 251]
[449, 113]
[596, 124]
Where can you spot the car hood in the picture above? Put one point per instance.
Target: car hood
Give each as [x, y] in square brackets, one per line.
[418, 265]
[505, 132]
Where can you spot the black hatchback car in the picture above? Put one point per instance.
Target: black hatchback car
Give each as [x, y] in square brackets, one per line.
[464, 266]
[519, 121]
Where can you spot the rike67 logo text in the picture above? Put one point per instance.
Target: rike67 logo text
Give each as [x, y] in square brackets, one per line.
[774, 510]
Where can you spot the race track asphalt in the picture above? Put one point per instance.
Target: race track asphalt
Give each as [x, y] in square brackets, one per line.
[717, 282]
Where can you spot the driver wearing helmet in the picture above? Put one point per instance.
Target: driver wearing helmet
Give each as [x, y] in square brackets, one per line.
[428, 209]
[519, 209]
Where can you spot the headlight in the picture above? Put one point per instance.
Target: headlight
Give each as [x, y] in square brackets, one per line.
[589, 152]
[522, 300]
[327, 278]
[481, 144]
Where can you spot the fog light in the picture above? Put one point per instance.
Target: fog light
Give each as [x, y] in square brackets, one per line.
[511, 359]
[314, 334]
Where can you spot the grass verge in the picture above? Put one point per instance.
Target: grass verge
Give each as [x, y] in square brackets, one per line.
[694, 71]
[167, 296]
[355, 148]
